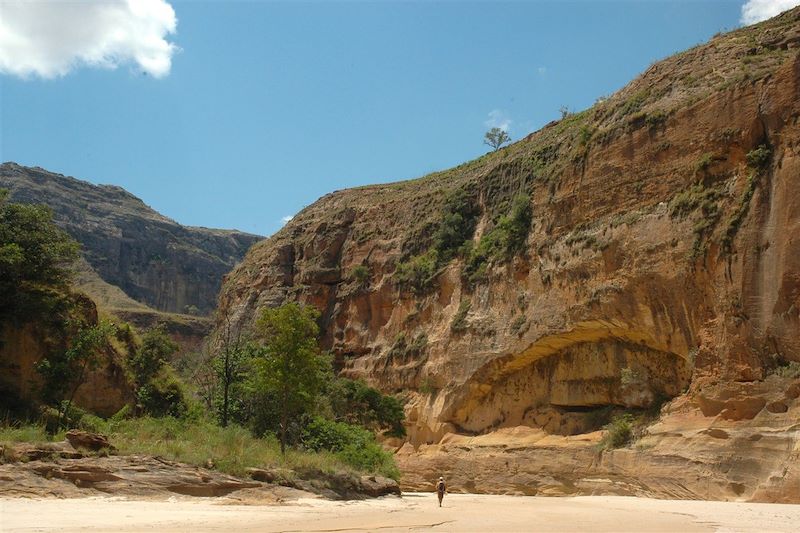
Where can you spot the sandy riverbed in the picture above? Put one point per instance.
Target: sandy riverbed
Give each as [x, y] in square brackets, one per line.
[412, 512]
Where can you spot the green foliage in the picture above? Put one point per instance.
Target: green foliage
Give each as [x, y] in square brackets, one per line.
[518, 325]
[459, 322]
[291, 370]
[64, 372]
[427, 386]
[159, 391]
[457, 225]
[354, 402]
[403, 351]
[585, 134]
[628, 376]
[232, 367]
[634, 103]
[360, 274]
[739, 215]
[504, 241]
[417, 273]
[354, 445]
[155, 350]
[704, 162]
[453, 235]
[619, 432]
[692, 199]
[655, 119]
[789, 370]
[164, 395]
[684, 203]
[758, 158]
[496, 137]
[35, 260]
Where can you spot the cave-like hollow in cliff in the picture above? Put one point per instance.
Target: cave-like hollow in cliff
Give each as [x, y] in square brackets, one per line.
[574, 389]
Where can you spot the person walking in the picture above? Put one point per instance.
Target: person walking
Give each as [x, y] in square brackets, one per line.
[441, 488]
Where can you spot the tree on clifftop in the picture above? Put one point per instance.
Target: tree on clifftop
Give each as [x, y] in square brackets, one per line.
[496, 137]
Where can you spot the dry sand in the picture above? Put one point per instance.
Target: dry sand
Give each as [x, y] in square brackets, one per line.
[412, 512]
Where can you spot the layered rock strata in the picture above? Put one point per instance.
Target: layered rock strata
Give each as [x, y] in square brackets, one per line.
[661, 267]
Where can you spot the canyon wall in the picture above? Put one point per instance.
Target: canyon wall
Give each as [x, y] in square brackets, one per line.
[661, 271]
[152, 259]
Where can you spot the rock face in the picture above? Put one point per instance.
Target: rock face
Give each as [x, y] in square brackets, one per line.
[662, 263]
[64, 470]
[64, 473]
[105, 388]
[152, 259]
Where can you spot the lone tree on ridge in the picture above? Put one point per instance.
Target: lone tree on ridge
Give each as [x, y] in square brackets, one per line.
[496, 137]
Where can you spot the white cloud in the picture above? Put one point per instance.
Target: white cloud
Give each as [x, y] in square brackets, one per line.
[49, 38]
[498, 119]
[757, 10]
[286, 219]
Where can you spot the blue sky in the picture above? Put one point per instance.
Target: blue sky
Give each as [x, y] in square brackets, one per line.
[269, 105]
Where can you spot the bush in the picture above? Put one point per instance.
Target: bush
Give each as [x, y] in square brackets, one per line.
[504, 241]
[619, 432]
[354, 445]
[790, 369]
[417, 273]
[360, 274]
[704, 162]
[164, 395]
[355, 402]
[759, 157]
[459, 322]
[454, 232]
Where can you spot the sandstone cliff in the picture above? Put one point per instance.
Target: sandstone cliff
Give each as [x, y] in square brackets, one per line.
[662, 263]
[105, 388]
[150, 258]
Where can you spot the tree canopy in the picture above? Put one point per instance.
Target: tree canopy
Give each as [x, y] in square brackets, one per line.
[35, 259]
[291, 370]
[496, 137]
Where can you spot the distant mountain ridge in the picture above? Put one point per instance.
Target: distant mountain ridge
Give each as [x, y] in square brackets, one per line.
[126, 244]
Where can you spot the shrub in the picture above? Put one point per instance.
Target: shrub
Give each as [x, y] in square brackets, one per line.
[518, 326]
[164, 395]
[759, 157]
[355, 402]
[739, 215]
[619, 432]
[585, 134]
[704, 162]
[418, 272]
[355, 445]
[789, 370]
[504, 241]
[360, 274]
[655, 119]
[427, 386]
[459, 322]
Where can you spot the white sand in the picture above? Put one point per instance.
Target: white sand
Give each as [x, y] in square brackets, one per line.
[413, 512]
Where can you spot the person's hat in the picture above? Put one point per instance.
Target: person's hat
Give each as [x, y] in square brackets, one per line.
[440, 477]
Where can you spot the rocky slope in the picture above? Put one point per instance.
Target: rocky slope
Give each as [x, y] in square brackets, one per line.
[662, 264]
[153, 260]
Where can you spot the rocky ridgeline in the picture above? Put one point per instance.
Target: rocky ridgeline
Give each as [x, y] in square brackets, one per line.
[662, 267]
[151, 258]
